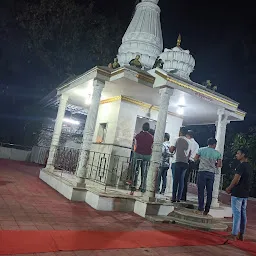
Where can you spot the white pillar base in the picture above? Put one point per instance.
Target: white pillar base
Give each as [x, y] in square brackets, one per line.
[149, 197]
[215, 203]
[49, 168]
[80, 182]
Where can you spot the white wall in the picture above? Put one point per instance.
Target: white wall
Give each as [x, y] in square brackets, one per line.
[39, 154]
[121, 118]
[108, 113]
[173, 126]
[141, 121]
[14, 154]
[127, 121]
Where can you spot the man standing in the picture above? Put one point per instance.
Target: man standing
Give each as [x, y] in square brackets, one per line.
[165, 164]
[181, 165]
[210, 162]
[143, 150]
[239, 190]
[191, 162]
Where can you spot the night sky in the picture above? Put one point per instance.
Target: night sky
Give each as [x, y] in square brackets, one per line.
[220, 36]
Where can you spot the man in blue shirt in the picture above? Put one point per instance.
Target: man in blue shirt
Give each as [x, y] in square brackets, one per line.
[210, 162]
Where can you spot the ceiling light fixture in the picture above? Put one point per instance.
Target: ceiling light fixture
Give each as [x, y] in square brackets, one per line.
[180, 110]
[181, 101]
[71, 121]
[88, 99]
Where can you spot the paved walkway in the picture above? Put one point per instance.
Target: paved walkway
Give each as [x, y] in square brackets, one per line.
[26, 203]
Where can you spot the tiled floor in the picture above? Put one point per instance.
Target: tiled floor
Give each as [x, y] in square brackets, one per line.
[26, 203]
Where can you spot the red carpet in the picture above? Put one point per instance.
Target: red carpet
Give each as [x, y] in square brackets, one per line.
[246, 246]
[25, 242]
[17, 242]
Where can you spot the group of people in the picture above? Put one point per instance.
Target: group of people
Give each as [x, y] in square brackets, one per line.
[187, 156]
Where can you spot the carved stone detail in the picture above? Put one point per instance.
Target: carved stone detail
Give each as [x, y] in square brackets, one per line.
[143, 36]
[180, 60]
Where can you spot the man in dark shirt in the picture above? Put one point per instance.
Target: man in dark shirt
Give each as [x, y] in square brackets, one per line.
[240, 190]
[143, 150]
[164, 164]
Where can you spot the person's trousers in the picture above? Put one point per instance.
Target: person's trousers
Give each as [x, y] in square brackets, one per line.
[130, 169]
[239, 215]
[162, 175]
[191, 168]
[178, 180]
[173, 168]
[140, 162]
[205, 180]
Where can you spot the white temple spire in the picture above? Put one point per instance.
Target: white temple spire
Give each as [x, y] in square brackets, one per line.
[143, 36]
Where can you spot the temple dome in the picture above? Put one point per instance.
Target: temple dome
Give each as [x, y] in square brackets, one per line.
[143, 36]
[178, 61]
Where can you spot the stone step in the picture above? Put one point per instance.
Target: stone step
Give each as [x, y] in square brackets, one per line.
[201, 226]
[191, 216]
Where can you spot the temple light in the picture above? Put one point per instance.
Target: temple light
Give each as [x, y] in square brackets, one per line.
[180, 110]
[181, 101]
[71, 121]
[88, 99]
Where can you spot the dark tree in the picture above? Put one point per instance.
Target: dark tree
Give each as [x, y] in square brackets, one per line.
[68, 36]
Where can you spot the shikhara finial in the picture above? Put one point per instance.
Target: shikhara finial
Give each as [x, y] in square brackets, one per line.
[179, 40]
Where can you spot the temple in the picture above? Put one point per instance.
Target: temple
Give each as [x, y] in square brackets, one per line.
[146, 83]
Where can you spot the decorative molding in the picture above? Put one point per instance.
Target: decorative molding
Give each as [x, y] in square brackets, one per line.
[113, 99]
[240, 113]
[136, 102]
[197, 90]
[117, 72]
[180, 60]
[145, 78]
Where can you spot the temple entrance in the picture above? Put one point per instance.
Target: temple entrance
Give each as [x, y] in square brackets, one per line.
[140, 121]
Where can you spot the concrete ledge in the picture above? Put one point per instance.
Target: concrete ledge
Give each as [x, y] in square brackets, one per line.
[221, 212]
[224, 211]
[96, 199]
[145, 208]
[113, 200]
[63, 187]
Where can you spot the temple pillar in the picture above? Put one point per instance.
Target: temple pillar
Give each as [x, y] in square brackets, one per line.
[158, 143]
[89, 132]
[57, 132]
[221, 127]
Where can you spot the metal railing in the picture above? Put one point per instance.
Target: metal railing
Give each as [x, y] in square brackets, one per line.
[107, 169]
[66, 159]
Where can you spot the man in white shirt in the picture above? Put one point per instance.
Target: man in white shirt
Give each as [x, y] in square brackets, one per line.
[194, 147]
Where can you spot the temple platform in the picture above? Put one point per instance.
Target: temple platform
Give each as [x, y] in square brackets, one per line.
[104, 198]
